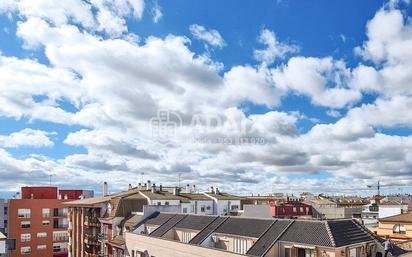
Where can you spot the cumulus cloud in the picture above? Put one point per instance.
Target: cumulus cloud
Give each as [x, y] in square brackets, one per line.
[274, 48]
[27, 137]
[117, 84]
[210, 36]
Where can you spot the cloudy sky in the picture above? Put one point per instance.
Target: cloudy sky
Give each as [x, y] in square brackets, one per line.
[284, 96]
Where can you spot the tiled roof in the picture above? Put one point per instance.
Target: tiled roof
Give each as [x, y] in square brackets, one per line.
[163, 196]
[332, 233]
[269, 238]
[195, 222]
[308, 232]
[160, 219]
[202, 235]
[160, 231]
[347, 232]
[390, 203]
[224, 196]
[405, 217]
[244, 227]
[192, 196]
[131, 220]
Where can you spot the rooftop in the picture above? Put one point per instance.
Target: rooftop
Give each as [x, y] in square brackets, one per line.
[331, 233]
[405, 217]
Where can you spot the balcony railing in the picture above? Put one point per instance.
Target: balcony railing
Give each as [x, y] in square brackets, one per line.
[91, 221]
[91, 240]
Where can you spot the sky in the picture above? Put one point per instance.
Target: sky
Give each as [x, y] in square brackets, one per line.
[279, 96]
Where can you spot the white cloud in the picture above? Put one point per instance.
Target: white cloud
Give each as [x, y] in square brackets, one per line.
[311, 76]
[116, 85]
[211, 36]
[109, 16]
[274, 48]
[27, 137]
[156, 13]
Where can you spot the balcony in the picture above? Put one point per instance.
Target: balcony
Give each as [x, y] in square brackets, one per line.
[91, 221]
[102, 237]
[91, 240]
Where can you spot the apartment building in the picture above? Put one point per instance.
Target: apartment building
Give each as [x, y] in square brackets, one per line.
[38, 221]
[179, 235]
[223, 203]
[291, 210]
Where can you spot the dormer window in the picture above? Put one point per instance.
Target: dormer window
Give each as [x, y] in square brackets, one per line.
[399, 229]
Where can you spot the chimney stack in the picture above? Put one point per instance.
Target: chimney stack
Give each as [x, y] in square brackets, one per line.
[105, 189]
[175, 191]
[212, 190]
[130, 187]
[194, 188]
[160, 188]
[139, 186]
[154, 188]
[187, 188]
[148, 185]
[216, 191]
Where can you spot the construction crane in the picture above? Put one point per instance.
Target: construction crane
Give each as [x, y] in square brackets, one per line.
[378, 187]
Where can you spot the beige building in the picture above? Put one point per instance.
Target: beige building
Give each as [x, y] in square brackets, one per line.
[178, 235]
[398, 227]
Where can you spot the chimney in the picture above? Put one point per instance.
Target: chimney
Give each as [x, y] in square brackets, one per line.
[175, 191]
[148, 185]
[154, 188]
[105, 189]
[130, 187]
[194, 188]
[139, 186]
[160, 188]
[212, 190]
[187, 188]
[216, 191]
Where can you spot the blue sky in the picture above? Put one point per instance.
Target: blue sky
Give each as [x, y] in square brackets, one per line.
[326, 119]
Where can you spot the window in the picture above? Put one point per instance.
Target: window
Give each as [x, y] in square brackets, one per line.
[25, 224]
[46, 222]
[186, 237]
[25, 250]
[45, 213]
[24, 213]
[301, 209]
[25, 237]
[166, 203]
[41, 235]
[234, 207]
[240, 246]
[208, 208]
[307, 209]
[288, 252]
[159, 203]
[294, 209]
[202, 209]
[5, 210]
[41, 247]
[399, 229]
[185, 210]
[60, 236]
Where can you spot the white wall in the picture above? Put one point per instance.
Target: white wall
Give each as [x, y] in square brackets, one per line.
[2, 246]
[389, 210]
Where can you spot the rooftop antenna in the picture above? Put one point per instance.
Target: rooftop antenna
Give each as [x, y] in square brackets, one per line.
[50, 178]
[179, 181]
[142, 177]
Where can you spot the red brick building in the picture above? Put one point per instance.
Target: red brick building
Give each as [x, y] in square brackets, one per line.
[291, 210]
[38, 221]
